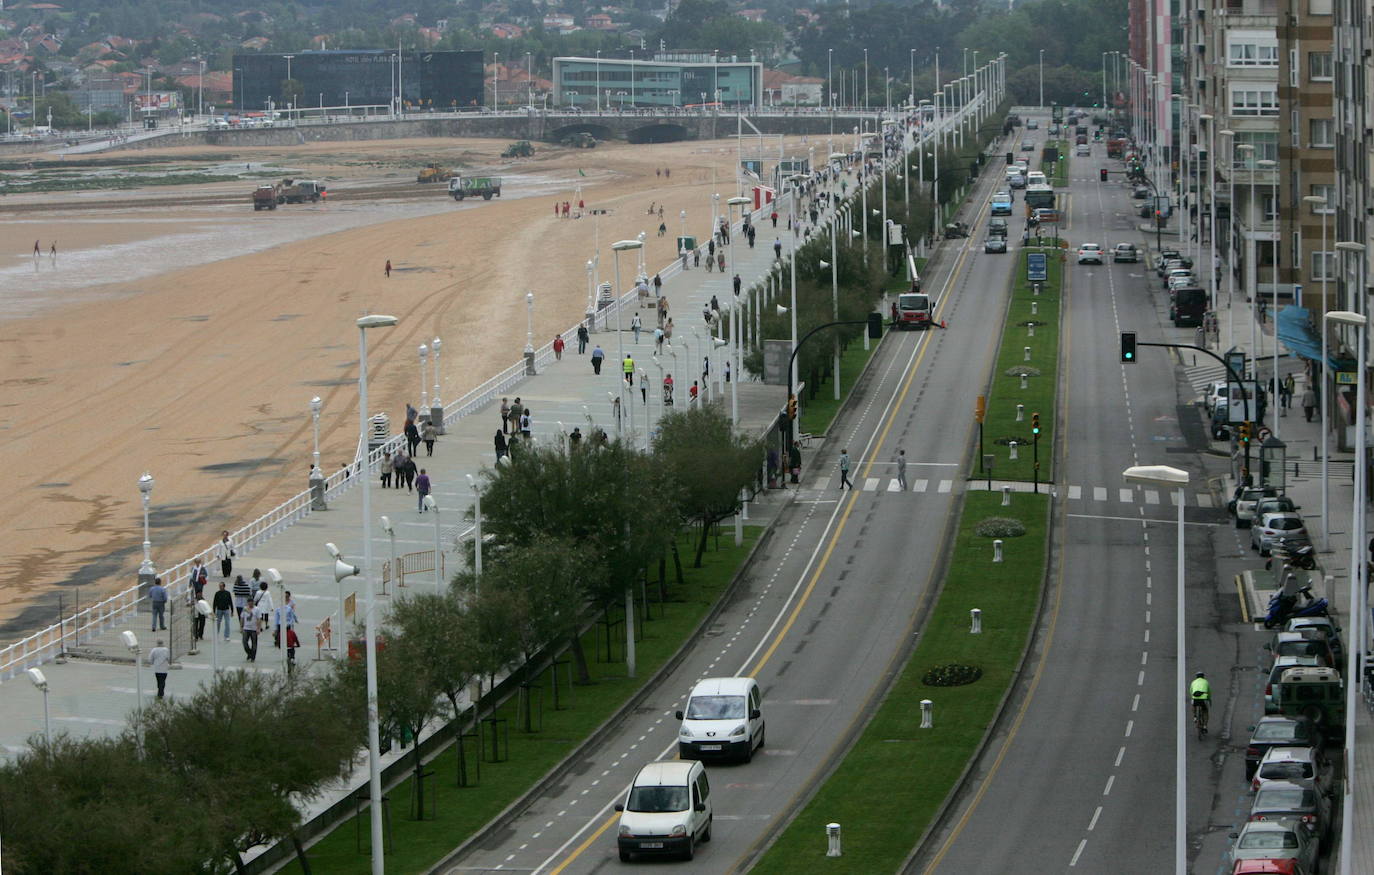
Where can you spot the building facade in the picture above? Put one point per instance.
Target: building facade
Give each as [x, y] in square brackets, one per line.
[366, 77]
[1354, 158]
[669, 79]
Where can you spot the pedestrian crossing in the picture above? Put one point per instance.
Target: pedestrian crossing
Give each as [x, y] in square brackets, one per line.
[1074, 492]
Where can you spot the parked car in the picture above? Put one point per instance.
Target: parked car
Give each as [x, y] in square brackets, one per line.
[1180, 281]
[1280, 731]
[1027, 145]
[1269, 867]
[1090, 253]
[1220, 425]
[1311, 642]
[1277, 504]
[1296, 765]
[1285, 802]
[1270, 840]
[1215, 394]
[1054, 130]
[1243, 501]
[995, 243]
[1140, 192]
[1270, 527]
[1276, 671]
[1324, 625]
[1125, 252]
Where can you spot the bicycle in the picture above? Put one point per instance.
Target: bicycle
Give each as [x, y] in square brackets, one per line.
[1200, 714]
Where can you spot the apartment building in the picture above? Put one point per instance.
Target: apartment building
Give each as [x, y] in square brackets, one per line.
[1354, 153]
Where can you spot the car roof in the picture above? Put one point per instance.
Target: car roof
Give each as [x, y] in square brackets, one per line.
[1266, 867]
[672, 773]
[1091, 246]
[734, 686]
[1279, 514]
[1287, 754]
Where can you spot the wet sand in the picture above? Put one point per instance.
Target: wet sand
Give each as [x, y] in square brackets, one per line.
[200, 370]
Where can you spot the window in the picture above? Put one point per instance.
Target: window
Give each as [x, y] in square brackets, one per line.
[1320, 67]
[1323, 265]
[1323, 133]
[1294, 129]
[1266, 146]
[1269, 204]
[1254, 100]
[1319, 7]
[1293, 67]
[1253, 54]
[1328, 192]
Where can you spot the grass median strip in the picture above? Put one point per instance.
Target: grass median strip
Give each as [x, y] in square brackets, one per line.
[460, 811]
[897, 776]
[1026, 313]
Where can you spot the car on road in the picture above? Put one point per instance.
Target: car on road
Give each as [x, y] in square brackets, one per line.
[1027, 145]
[1032, 124]
[1125, 252]
[666, 812]
[1277, 504]
[1280, 731]
[1016, 179]
[723, 720]
[997, 227]
[1053, 130]
[1090, 253]
[1296, 765]
[1083, 150]
[995, 243]
[1275, 840]
[1269, 528]
[1242, 504]
[1140, 192]
[1285, 802]
[1036, 177]
[1001, 204]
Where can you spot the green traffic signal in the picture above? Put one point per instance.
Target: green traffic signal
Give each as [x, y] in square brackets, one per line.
[1128, 347]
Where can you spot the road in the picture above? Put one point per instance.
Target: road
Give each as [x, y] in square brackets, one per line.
[824, 611]
[1088, 744]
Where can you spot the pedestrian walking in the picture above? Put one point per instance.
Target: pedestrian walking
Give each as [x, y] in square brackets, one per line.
[696, 258]
[597, 357]
[751, 236]
[248, 629]
[777, 248]
[628, 366]
[558, 347]
[160, 658]
[198, 578]
[658, 286]
[737, 282]
[242, 591]
[901, 469]
[398, 467]
[157, 599]
[515, 410]
[1286, 392]
[387, 468]
[37, 250]
[387, 269]
[410, 474]
[505, 415]
[412, 437]
[772, 468]
[662, 227]
[428, 434]
[422, 488]
[1309, 402]
[287, 620]
[575, 438]
[720, 261]
[223, 606]
[582, 337]
[727, 370]
[635, 326]
[262, 605]
[500, 444]
[525, 424]
[844, 471]
[794, 461]
[692, 393]
[658, 341]
[774, 217]
[224, 552]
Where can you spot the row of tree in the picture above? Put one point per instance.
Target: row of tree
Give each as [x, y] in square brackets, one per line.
[196, 781]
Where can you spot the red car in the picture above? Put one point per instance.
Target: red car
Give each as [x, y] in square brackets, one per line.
[1269, 867]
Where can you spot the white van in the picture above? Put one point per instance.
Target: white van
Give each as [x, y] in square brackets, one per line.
[1035, 177]
[667, 811]
[724, 718]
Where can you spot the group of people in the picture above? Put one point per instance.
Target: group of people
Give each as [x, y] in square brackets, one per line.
[563, 209]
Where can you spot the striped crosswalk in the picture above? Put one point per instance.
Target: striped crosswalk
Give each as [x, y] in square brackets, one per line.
[1073, 492]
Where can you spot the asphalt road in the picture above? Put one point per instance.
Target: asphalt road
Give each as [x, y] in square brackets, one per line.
[825, 609]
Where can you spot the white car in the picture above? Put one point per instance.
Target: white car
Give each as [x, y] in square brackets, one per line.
[1275, 840]
[1090, 253]
[1273, 527]
[1216, 394]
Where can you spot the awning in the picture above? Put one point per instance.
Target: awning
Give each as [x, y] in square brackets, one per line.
[1296, 334]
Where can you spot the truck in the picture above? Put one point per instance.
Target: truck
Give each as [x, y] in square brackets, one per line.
[265, 197]
[485, 187]
[298, 191]
[1116, 147]
[433, 172]
[1188, 307]
[913, 310]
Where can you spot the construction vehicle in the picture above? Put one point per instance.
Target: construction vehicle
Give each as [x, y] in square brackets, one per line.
[485, 187]
[519, 149]
[298, 191]
[265, 197]
[433, 173]
[580, 140]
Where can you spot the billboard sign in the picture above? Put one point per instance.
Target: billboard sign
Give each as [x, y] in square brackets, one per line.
[157, 101]
[1036, 268]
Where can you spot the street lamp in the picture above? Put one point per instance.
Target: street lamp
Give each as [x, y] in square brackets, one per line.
[434, 400]
[736, 325]
[1163, 475]
[616, 248]
[373, 732]
[1042, 78]
[477, 530]
[529, 333]
[41, 682]
[1230, 236]
[1355, 644]
[1267, 164]
[1318, 201]
[315, 405]
[432, 505]
[395, 572]
[146, 571]
[1250, 281]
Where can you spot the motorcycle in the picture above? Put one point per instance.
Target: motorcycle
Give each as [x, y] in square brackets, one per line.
[1282, 607]
[1298, 556]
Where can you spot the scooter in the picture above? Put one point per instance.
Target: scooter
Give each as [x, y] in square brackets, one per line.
[1284, 607]
[1303, 556]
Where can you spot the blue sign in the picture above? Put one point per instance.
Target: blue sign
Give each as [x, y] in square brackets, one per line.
[1036, 269]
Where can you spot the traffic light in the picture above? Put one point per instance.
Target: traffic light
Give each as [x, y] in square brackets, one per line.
[792, 407]
[1128, 347]
[1102, 174]
[1035, 424]
[1245, 432]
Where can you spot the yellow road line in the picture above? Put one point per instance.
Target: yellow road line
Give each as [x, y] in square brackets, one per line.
[586, 844]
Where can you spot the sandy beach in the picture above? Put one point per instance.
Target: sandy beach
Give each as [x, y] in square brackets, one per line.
[199, 362]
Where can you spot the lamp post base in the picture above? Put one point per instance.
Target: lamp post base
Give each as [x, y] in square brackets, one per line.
[436, 416]
[529, 363]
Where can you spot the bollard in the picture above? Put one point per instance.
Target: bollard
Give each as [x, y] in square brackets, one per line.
[1035, 288]
[1026, 350]
[1020, 413]
[1024, 378]
[1030, 330]
[927, 714]
[975, 621]
[1035, 308]
[997, 550]
[1006, 496]
[832, 834]
[1012, 446]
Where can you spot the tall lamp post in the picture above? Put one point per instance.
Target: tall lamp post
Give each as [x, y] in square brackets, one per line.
[433, 505]
[736, 319]
[41, 682]
[315, 406]
[436, 407]
[424, 376]
[529, 334]
[477, 530]
[1269, 165]
[1356, 643]
[146, 571]
[373, 734]
[1251, 286]
[1042, 78]
[616, 248]
[1318, 202]
[1230, 136]
[1163, 475]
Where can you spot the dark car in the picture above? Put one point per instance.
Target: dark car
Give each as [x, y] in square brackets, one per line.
[1277, 730]
[995, 243]
[997, 227]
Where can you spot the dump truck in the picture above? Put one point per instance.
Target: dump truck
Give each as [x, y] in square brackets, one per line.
[433, 173]
[298, 191]
[485, 187]
[265, 197]
[580, 140]
[519, 149]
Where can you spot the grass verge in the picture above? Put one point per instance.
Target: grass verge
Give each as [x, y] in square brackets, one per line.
[1060, 177]
[819, 413]
[896, 777]
[461, 811]
[1000, 426]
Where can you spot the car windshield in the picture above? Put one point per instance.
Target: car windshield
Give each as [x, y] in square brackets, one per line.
[1299, 648]
[1267, 840]
[1283, 799]
[657, 799]
[1286, 524]
[1279, 731]
[1286, 771]
[715, 708]
[909, 302]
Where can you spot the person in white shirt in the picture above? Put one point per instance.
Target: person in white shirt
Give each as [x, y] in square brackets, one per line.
[160, 658]
[224, 552]
[262, 605]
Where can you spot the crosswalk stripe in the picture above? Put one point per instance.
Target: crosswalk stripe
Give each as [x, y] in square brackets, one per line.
[1127, 496]
[1099, 493]
[894, 486]
[946, 485]
[1151, 496]
[920, 485]
[1075, 492]
[871, 484]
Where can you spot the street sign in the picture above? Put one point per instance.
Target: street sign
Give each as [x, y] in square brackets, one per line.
[1346, 378]
[1036, 268]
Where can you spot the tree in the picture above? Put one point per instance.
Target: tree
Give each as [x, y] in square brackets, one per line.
[708, 464]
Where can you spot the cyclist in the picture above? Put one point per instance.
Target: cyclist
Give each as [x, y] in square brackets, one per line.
[1200, 692]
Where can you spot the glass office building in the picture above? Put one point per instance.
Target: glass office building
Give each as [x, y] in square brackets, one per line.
[669, 79]
[365, 77]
